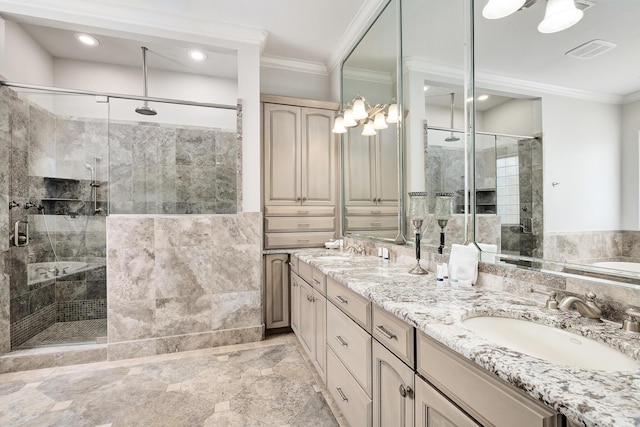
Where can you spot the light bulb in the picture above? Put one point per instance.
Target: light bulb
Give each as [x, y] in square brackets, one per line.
[392, 113]
[368, 129]
[378, 121]
[559, 15]
[338, 125]
[359, 110]
[496, 9]
[349, 121]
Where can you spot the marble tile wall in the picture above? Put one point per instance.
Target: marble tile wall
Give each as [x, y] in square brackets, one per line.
[5, 144]
[592, 246]
[166, 169]
[180, 283]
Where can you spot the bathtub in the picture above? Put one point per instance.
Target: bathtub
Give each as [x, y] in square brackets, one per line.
[42, 271]
[633, 267]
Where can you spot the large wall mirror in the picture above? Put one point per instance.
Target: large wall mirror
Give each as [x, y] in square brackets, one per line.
[371, 167]
[557, 153]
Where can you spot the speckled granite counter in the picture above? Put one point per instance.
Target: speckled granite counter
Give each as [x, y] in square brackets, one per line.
[586, 397]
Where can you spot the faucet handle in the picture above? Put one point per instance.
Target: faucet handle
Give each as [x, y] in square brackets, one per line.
[631, 324]
[552, 302]
[591, 297]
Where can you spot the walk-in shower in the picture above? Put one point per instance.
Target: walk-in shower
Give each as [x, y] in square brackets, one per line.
[76, 157]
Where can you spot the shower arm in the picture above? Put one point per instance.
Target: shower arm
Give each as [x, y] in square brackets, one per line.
[144, 73]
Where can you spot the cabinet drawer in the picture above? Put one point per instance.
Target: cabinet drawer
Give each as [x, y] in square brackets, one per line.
[371, 210]
[297, 240]
[396, 335]
[353, 402]
[314, 277]
[300, 211]
[356, 306]
[351, 344]
[283, 223]
[383, 222]
[479, 392]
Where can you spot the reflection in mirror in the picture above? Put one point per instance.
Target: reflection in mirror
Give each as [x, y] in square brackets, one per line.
[370, 142]
[433, 49]
[577, 91]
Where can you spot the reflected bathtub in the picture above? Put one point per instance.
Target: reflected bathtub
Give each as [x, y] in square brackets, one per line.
[42, 271]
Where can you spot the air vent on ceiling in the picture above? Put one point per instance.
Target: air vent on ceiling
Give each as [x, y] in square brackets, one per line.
[584, 4]
[591, 49]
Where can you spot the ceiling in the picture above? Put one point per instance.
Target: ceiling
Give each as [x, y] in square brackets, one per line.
[306, 32]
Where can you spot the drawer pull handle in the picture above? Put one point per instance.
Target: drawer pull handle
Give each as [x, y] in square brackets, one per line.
[303, 225]
[303, 212]
[341, 394]
[376, 212]
[341, 300]
[405, 391]
[388, 335]
[316, 281]
[376, 224]
[303, 240]
[341, 341]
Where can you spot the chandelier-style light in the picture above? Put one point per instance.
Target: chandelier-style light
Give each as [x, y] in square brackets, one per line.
[373, 118]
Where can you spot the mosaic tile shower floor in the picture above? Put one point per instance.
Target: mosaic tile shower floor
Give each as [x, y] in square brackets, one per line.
[271, 383]
[78, 332]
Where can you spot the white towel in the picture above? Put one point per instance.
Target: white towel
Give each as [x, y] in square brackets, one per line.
[463, 264]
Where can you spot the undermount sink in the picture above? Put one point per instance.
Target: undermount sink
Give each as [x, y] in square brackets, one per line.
[550, 344]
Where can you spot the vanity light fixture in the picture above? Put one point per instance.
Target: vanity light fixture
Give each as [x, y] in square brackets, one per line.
[86, 39]
[197, 55]
[559, 14]
[373, 118]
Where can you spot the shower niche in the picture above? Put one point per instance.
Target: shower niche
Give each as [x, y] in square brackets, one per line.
[63, 196]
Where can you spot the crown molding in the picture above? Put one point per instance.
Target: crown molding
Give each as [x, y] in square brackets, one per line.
[292, 64]
[369, 10]
[116, 19]
[497, 82]
[367, 75]
[632, 97]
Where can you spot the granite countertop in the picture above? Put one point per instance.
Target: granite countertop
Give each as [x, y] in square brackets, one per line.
[586, 397]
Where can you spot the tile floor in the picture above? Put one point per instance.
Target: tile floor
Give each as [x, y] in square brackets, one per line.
[271, 383]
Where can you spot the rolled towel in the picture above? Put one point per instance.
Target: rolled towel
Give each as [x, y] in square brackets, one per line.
[463, 264]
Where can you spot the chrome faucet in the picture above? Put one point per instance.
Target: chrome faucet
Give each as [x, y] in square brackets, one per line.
[587, 309]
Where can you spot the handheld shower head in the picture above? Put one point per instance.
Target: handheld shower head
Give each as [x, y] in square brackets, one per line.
[88, 166]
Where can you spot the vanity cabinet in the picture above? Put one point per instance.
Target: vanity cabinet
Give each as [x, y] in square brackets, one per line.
[432, 409]
[393, 389]
[310, 314]
[276, 275]
[300, 172]
[486, 398]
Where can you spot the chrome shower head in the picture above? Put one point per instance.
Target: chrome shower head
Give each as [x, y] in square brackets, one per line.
[146, 110]
[452, 138]
[88, 166]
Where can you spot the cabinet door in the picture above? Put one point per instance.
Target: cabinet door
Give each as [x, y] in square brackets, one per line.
[295, 303]
[359, 157]
[320, 310]
[392, 390]
[306, 323]
[282, 154]
[277, 291]
[386, 166]
[318, 157]
[435, 410]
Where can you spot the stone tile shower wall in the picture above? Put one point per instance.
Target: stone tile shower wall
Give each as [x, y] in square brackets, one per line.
[5, 292]
[47, 157]
[167, 169]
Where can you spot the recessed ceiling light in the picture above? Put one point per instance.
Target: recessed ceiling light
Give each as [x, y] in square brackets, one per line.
[197, 55]
[426, 88]
[86, 39]
[483, 97]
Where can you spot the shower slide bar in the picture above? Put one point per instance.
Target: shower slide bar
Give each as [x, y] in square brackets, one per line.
[116, 95]
[506, 135]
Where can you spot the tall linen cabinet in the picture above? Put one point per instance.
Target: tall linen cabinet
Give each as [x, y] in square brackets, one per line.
[300, 187]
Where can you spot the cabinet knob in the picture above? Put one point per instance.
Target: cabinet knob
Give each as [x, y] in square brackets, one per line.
[405, 391]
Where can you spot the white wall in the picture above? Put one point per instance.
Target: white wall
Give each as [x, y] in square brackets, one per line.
[514, 117]
[582, 152]
[100, 77]
[631, 166]
[20, 49]
[277, 81]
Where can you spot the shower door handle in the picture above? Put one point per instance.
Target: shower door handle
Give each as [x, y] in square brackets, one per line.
[21, 234]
